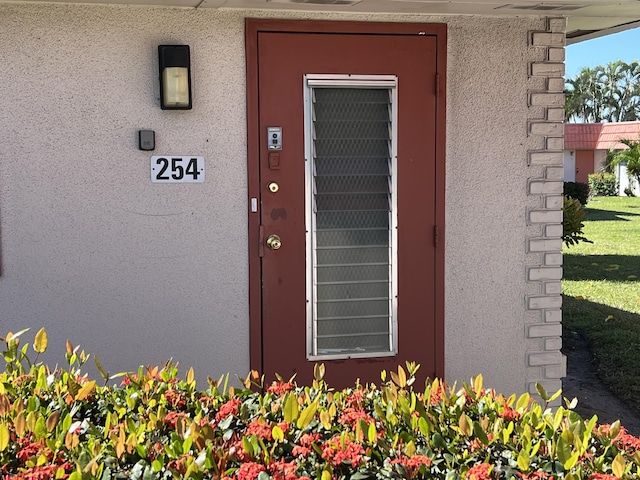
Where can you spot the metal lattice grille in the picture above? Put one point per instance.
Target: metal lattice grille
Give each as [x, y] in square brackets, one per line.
[352, 220]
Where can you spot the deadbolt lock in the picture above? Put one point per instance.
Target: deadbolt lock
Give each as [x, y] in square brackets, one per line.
[273, 187]
[273, 242]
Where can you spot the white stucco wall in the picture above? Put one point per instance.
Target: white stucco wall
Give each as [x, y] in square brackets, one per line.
[485, 201]
[569, 165]
[624, 181]
[599, 160]
[138, 273]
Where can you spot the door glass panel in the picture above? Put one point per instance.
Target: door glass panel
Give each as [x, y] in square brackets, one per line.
[351, 218]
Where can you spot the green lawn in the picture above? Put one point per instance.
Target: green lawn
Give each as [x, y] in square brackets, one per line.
[602, 291]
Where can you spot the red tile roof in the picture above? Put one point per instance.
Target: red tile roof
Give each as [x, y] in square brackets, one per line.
[599, 136]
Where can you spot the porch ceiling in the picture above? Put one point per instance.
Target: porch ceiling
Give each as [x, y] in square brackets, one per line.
[586, 18]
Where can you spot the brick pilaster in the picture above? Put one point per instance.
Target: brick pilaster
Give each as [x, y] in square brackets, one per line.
[545, 363]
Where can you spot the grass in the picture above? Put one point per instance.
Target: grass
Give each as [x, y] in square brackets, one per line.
[602, 292]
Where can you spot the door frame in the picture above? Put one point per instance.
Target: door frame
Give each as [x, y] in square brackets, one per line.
[253, 27]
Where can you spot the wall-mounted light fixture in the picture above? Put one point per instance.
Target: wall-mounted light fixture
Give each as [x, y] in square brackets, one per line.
[175, 77]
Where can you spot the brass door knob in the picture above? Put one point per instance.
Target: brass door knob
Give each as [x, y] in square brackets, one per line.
[273, 242]
[273, 187]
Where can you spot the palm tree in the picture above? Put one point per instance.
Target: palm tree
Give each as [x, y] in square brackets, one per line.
[620, 81]
[606, 93]
[585, 99]
[630, 156]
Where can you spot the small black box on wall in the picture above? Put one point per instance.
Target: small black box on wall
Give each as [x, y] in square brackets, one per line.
[146, 140]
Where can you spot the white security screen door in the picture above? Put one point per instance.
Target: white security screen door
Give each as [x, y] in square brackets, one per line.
[351, 127]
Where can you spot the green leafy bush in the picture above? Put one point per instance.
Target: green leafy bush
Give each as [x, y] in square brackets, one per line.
[603, 184]
[629, 156]
[572, 222]
[56, 423]
[579, 191]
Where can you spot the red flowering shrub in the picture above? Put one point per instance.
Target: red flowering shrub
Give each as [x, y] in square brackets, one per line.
[341, 449]
[60, 424]
[413, 465]
[249, 471]
[229, 408]
[260, 429]
[480, 472]
[538, 475]
[175, 399]
[351, 417]
[280, 388]
[305, 447]
[282, 470]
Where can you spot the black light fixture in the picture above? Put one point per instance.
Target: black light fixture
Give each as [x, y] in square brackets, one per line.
[175, 77]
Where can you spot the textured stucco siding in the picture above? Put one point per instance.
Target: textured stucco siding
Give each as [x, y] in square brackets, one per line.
[486, 198]
[132, 271]
[139, 273]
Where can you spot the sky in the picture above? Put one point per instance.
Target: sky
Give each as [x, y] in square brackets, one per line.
[623, 46]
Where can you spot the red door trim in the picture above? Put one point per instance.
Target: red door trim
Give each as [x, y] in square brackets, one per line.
[252, 28]
[253, 181]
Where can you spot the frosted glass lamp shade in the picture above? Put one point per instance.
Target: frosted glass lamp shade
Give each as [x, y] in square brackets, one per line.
[176, 87]
[175, 77]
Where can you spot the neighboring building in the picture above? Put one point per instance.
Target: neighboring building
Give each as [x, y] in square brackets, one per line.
[586, 146]
[456, 263]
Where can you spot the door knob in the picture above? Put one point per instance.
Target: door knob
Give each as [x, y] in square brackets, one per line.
[273, 187]
[273, 242]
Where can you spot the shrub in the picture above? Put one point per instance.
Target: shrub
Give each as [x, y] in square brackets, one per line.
[56, 423]
[572, 222]
[603, 184]
[579, 191]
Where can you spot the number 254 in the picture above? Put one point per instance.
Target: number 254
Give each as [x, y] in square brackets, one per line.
[176, 169]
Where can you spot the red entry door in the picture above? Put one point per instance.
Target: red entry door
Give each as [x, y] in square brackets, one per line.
[346, 142]
[584, 165]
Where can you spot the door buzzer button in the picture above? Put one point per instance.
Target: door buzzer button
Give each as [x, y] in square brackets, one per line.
[274, 138]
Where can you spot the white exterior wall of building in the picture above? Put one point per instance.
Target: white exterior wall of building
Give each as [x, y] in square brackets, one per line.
[569, 165]
[599, 160]
[625, 182]
[138, 272]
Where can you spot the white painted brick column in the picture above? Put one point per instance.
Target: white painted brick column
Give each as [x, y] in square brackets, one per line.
[544, 360]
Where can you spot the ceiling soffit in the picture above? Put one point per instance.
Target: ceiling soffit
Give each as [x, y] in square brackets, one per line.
[586, 19]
